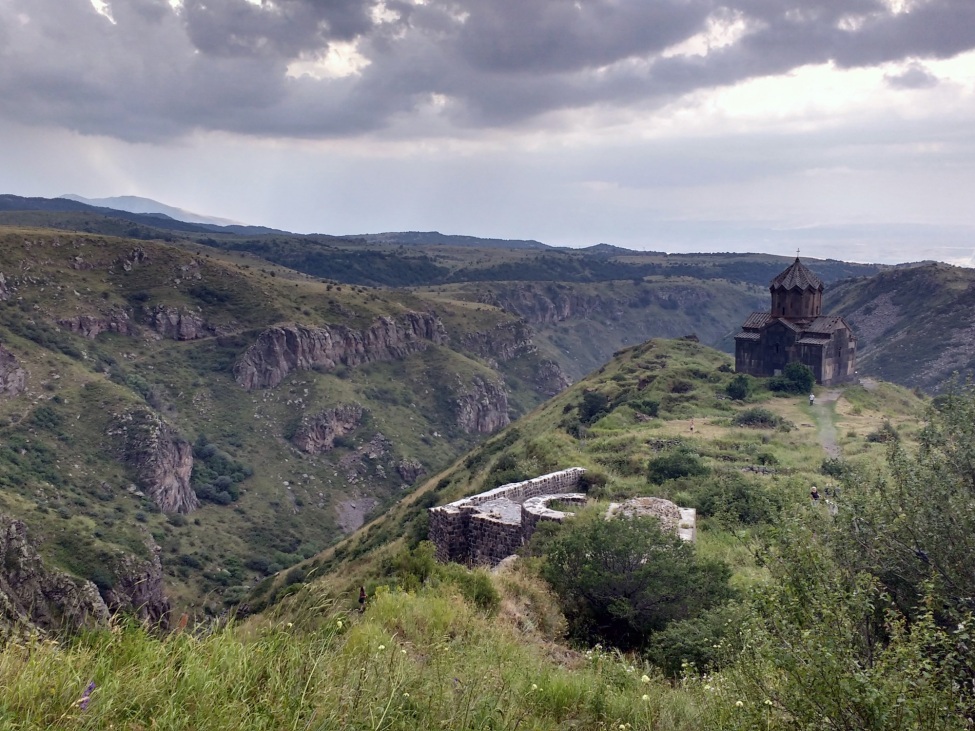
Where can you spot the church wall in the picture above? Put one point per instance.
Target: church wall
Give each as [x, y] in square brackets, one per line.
[840, 357]
[797, 305]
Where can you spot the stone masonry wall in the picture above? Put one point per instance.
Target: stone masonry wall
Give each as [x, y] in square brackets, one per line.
[465, 533]
[535, 510]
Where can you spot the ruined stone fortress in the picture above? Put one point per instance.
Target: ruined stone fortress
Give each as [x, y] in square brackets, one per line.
[486, 528]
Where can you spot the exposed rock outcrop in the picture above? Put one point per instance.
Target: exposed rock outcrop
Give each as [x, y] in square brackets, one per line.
[13, 378]
[366, 459]
[179, 324]
[410, 470]
[317, 435]
[138, 255]
[162, 460]
[4, 291]
[32, 595]
[281, 350]
[482, 406]
[505, 342]
[139, 588]
[550, 379]
[91, 326]
[548, 304]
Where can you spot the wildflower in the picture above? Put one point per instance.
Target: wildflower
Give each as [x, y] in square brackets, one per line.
[382, 647]
[406, 695]
[645, 679]
[403, 651]
[339, 623]
[86, 696]
[534, 687]
[645, 697]
[768, 702]
[739, 704]
[289, 625]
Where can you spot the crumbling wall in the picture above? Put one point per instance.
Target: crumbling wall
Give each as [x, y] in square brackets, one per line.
[464, 532]
[536, 509]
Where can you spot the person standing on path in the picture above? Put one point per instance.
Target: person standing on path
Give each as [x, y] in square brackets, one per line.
[812, 399]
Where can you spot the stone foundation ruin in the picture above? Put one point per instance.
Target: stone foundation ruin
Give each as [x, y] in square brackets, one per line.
[484, 529]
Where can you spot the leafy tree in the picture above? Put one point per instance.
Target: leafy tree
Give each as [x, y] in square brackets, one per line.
[918, 523]
[618, 581]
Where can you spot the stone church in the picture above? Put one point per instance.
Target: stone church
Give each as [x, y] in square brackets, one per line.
[796, 330]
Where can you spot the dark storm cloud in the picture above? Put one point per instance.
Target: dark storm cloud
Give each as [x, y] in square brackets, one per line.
[222, 64]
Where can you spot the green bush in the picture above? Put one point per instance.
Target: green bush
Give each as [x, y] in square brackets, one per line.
[682, 463]
[758, 418]
[619, 581]
[702, 644]
[795, 378]
[739, 388]
[735, 499]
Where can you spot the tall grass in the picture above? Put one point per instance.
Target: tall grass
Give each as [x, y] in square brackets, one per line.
[412, 661]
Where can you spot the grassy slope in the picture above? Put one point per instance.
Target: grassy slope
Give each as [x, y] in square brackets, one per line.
[620, 444]
[430, 659]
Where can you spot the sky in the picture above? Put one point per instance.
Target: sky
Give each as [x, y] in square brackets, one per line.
[841, 128]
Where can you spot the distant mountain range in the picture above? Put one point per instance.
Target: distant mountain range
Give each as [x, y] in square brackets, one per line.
[137, 204]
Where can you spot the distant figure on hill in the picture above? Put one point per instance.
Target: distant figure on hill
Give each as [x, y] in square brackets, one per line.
[814, 494]
[362, 599]
[812, 399]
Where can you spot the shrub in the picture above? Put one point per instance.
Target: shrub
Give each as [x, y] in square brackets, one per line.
[735, 499]
[886, 433]
[618, 581]
[703, 643]
[834, 467]
[759, 418]
[682, 463]
[795, 378]
[594, 405]
[739, 388]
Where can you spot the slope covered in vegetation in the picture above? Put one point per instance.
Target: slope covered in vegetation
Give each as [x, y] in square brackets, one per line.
[848, 613]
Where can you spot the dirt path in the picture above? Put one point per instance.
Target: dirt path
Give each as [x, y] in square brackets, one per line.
[824, 420]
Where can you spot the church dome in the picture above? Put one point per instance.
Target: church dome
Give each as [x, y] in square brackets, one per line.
[797, 276]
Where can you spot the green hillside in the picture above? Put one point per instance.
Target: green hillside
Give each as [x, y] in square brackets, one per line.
[851, 618]
[119, 370]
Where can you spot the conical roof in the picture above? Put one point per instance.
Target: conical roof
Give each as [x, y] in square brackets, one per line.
[797, 276]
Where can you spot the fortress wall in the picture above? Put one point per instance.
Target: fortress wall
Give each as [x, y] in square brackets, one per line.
[535, 510]
[462, 534]
[517, 492]
[492, 540]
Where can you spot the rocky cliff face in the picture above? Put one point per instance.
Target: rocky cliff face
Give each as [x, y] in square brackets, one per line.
[542, 304]
[139, 588]
[550, 379]
[505, 342]
[317, 434]
[162, 460]
[482, 406]
[179, 324]
[31, 595]
[281, 350]
[13, 378]
[91, 326]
